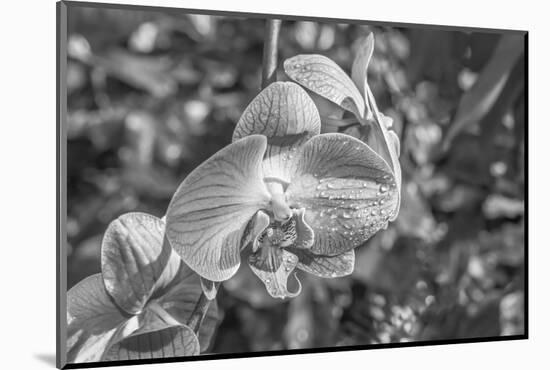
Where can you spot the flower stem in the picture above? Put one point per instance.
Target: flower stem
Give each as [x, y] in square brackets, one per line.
[271, 39]
[199, 312]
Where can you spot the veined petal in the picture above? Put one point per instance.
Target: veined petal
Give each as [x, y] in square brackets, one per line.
[286, 115]
[326, 266]
[210, 210]
[136, 260]
[324, 77]
[361, 63]
[348, 191]
[273, 266]
[94, 322]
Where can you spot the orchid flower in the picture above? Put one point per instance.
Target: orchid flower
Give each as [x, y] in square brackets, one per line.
[301, 199]
[323, 77]
[139, 305]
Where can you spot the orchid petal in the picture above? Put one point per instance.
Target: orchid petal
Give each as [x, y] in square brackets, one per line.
[348, 191]
[136, 260]
[361, 63]
[326, 266]
[94, 322]
[284, 113]
[180, 299]
[273, 266]
[324, 77]
[386, 143]
[255, 228]
[304, 233]
[210, 210]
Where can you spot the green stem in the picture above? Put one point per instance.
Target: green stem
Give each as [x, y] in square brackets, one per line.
[271, 39]
[199, 312]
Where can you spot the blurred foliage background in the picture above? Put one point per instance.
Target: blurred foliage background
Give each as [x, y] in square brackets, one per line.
[151, 95]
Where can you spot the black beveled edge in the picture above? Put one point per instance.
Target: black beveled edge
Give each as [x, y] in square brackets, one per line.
[222, 356]
[84, 4]
[61, 186]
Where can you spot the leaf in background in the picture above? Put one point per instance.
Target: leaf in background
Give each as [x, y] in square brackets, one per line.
[285, 114]
[416, 218]
[496, 206]
[150, 73]
[300, 327]
[324, 77]
[136, 260]
[209, 212]
[478, 101]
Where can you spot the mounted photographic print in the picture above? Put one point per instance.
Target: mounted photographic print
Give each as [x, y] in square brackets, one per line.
[236, 185]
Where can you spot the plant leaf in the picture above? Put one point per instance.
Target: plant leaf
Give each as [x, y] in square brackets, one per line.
[159, 334]
[326, 266]
[348, 191]
[361, 63]
[94, 322]
[273, 265]
[287, 116]
[174, 341]
[478, 101]
[135, 260]
[210, 210]
[324, 77]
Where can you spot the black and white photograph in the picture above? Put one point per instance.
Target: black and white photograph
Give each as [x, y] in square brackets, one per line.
[241, 184]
